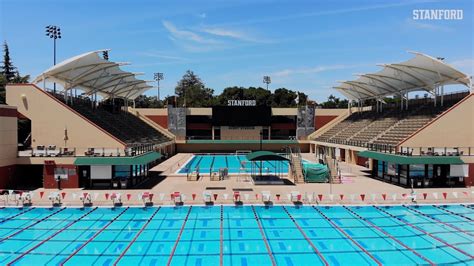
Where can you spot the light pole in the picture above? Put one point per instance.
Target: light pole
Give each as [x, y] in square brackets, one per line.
[267, 80]
[158, 76]
[53, 32]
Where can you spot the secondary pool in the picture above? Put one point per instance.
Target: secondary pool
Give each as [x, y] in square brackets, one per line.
[243, 235]
[235, 163]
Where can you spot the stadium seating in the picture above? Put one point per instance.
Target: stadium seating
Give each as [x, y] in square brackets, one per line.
[389, 127]
[121, 124]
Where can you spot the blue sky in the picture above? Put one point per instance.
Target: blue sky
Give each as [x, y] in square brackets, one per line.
[303, 45]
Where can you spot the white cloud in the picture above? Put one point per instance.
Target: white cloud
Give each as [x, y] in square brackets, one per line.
[179, 34]
[229, 33]
[310, 70]
[202, 15]
[161, 55]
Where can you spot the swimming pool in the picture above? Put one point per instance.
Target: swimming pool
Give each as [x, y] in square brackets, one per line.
[236, 163]
[243, 235]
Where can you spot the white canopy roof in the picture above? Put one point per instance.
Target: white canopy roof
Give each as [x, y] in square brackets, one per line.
[94, 74]
[422, 72]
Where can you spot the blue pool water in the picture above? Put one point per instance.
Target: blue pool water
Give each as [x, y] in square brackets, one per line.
[244, 235]
[235, 164]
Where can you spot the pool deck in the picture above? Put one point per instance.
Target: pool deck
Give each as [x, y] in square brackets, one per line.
[357, 184]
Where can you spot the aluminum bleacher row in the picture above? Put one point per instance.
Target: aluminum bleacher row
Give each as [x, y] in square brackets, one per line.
[121, 124]
[389, 127]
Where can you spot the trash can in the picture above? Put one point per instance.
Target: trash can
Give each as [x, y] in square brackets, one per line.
[123, 183]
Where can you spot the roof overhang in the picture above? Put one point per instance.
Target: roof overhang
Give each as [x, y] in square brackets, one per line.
[421, 73]
[93, 74]
[402, 159]
[265, 156]
[137, 160]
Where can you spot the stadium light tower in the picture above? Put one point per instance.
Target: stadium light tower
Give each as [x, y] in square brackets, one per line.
[158, 76]
[53, 32]
[267, 80]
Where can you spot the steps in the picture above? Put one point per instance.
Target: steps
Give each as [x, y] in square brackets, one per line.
[296, 169]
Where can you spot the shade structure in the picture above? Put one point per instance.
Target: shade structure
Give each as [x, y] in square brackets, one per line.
[422, 72]
[402, 159]
[93, 74]
[137, 160]
[265, 156]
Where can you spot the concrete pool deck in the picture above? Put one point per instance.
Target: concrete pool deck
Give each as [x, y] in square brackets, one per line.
[357, 184]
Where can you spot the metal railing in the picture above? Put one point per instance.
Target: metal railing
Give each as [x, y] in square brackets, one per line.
[54, 151]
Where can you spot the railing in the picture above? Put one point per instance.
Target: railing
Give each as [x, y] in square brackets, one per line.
[54, 151]
[437, 151]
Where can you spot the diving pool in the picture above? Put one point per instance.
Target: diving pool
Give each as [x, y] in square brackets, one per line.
[235, 163]
[238, 235]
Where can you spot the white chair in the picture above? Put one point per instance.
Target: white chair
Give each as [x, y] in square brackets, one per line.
[237, 196]
[147, 198]
[295, 196]
[86, 198]
[207, 197]
[178, 199]
[55, 198]
[116, 198]
[266, 196]
[26, 198]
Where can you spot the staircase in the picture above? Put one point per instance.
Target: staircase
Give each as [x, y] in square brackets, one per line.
[334, 178]
[297, 169]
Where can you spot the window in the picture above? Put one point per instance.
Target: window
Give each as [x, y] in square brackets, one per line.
[122, 171]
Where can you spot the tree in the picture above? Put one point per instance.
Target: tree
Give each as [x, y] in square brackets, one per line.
[8, 70]
[284, 98]
[334, 102]
[9, 73]
[192, 92]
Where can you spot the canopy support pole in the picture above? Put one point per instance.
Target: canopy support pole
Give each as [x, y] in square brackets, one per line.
[442, 95]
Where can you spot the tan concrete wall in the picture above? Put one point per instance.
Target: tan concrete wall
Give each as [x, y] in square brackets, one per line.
[330, 112]
[284, 111]
[49, 117]
[8, 135]
[230, 147]
[198, 111]
[229, 133]
[453, 128]
[150, 111]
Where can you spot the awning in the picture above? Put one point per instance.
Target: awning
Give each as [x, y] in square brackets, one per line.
[422, 72]
[137, 160]
[93, 74]
[265, 156]
[402, 159]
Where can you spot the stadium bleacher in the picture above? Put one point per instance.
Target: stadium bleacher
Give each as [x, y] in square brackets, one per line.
[389, 127]
[121, 124]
